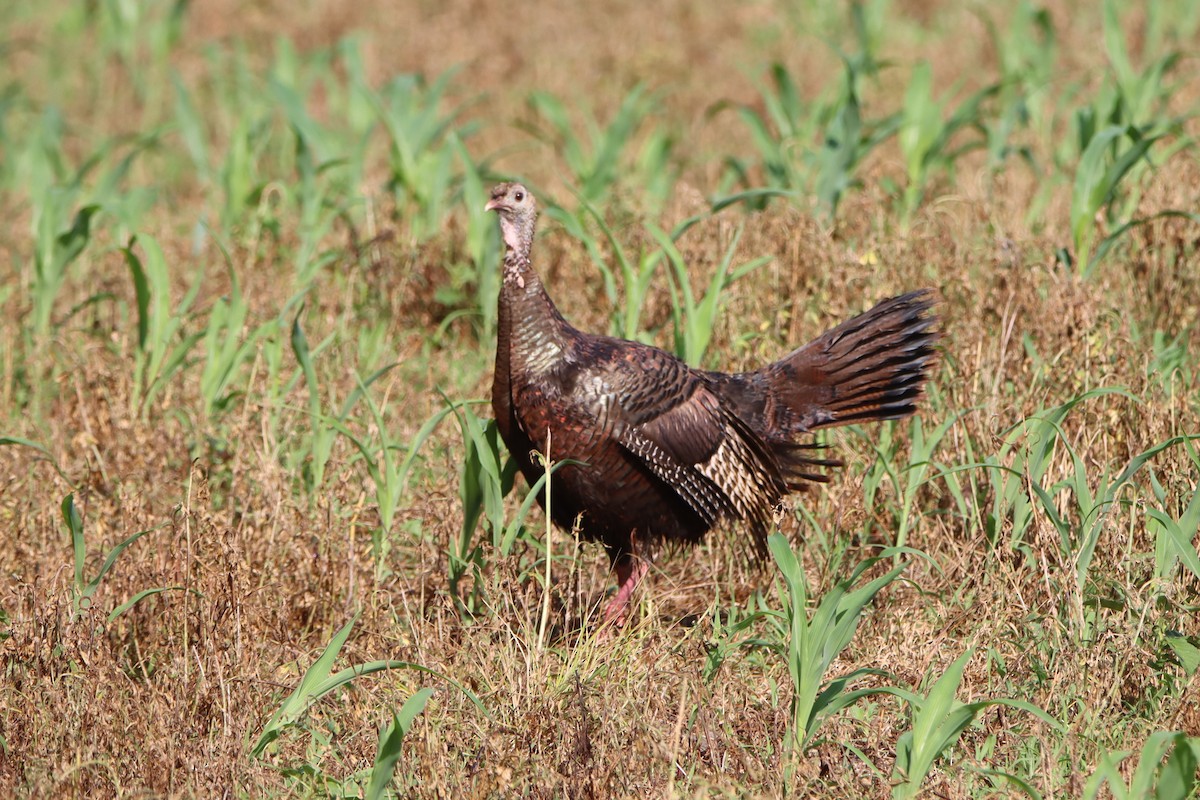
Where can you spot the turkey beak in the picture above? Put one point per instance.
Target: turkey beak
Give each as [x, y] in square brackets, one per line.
[494, 205]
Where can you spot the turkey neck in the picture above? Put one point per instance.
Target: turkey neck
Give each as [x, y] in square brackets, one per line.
[532, 333]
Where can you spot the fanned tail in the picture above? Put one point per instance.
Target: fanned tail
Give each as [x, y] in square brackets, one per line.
[870, 368]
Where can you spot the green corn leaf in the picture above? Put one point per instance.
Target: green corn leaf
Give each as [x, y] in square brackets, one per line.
[74, 523]
[1187, 653]
[94, 583]
[387, 757]
[21, 442]
[142, 595]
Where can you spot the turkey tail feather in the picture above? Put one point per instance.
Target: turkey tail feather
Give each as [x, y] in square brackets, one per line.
[872, 367]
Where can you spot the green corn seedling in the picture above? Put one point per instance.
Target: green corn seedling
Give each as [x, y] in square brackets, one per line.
[387, 756]
[320, 161]
[846, 139]
[485, 480]
[927, 141]
[635, 274]
[319, 681]
[811, 643]
[226, 349]
[421, 152]
[58, 244]
[1174, 534]
[83, 588]
[694, 320]
[909, 479]
[786, 138]
[1028, 446]
[597, 157]
[939, 719]
[1027, 51]
[1144, 94]
[734, 629]
[163, 346]
[1108, 158]
[482, 247]
[1080, 530]
[387, 471]
[1171, 779]
[318, 445]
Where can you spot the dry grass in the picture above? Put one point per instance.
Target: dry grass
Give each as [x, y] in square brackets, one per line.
[168, 698]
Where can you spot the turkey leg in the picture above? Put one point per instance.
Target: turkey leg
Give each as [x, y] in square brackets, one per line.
[630, 570]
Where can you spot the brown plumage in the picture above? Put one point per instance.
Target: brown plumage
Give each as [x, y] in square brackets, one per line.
[664, 452]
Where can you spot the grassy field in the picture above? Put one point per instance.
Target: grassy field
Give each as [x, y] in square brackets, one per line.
[258, 537]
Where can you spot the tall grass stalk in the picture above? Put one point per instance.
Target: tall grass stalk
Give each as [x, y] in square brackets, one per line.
[546, 460]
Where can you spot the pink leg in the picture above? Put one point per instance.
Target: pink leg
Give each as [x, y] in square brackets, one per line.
[630, 570]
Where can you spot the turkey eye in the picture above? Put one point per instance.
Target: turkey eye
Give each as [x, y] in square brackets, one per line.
[519, 196]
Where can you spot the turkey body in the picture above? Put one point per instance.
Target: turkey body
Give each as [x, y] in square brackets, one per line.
[657, 451]
[586, 409]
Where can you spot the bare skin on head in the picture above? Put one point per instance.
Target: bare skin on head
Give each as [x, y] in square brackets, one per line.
[518, 216]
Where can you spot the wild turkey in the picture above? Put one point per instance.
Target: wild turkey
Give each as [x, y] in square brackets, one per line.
[662, 452]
